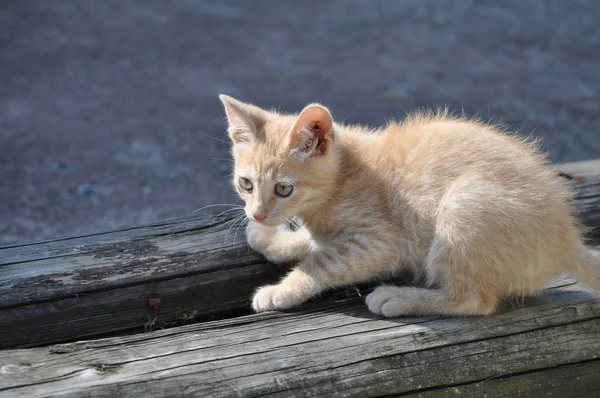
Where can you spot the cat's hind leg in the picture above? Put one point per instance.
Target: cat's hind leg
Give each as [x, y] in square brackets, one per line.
[467, 285]
[473, 254]
[394, 301]
[465, 288]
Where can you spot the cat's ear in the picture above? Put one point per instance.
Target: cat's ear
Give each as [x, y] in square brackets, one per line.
[312, 134]
[245, 120]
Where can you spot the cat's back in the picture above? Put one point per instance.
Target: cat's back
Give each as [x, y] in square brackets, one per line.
[449, 146]
[430, 152]
[457, 141]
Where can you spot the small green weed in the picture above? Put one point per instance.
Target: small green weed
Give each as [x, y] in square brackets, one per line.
[149, 324]
[187, 318]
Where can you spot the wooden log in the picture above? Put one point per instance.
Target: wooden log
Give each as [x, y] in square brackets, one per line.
[585, 179]
[97, 288]
[579, 380]
[81, 287]
[337, 348]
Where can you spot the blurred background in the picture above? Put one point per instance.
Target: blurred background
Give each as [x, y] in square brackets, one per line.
[105, 106]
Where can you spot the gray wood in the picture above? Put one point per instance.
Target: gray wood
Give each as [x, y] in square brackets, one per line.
[586, 181]
[580, 380]
[102, 284]
[337, 349]
[80, 287]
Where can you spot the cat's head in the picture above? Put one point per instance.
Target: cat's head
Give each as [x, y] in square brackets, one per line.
[285, 165]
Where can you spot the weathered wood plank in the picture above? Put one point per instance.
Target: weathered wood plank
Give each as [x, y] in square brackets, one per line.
[93, 242]
[343, 350]
[586, 180]
[580, 380]
[57, 285]
[99, 288]
[97, 313]
[56, 271]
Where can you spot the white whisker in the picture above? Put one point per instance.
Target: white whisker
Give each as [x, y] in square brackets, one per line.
[223, 212]
[238, 228]
[214, 138]
[208, 157]
[239, 208]
[220, 204]
[232, 224]
[294, 223]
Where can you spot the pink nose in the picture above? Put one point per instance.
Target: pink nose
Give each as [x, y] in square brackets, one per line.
[259, 217]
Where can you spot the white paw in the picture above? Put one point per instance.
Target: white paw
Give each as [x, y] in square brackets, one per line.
[258, 236]
[388, 301]
[275, 297]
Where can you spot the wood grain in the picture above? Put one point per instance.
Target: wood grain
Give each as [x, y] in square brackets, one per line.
[580, 380]
[338, 349]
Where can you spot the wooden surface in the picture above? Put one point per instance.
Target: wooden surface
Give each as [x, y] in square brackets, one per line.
[95, 285]
[586, 179]
[68, 289]
[82, 287]
[547, 345]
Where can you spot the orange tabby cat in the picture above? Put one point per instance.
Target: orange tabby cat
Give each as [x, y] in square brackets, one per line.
[476, 211]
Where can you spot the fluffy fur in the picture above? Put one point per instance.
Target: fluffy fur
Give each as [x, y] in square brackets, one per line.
[476, 211]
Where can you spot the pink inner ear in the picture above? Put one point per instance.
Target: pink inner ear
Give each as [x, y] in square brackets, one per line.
[318, 131]
[318, 122]
[240, 136]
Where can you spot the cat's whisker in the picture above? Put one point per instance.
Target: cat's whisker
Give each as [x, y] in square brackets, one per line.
[223, 212]
[216, 205]
[232, 224]
[227, 223]
[226, 211]
[294, 223]
[214, 138]
[208, 157]
[231, 221]
[288, 221]
[244, 222]
[240, 225]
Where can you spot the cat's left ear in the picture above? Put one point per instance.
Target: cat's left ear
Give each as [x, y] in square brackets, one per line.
[312, 134]
[245, 120]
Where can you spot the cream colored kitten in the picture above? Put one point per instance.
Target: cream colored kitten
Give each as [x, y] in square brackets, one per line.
[478, 212]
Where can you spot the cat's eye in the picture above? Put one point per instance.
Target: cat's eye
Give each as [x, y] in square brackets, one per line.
[245, 184]
[284, 190]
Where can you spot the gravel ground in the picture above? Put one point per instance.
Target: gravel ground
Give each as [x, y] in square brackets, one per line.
[106, 106]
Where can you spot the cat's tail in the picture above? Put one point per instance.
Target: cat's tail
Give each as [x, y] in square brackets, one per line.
[587, 269]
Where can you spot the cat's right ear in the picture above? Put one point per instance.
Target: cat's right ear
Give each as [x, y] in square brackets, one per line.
[245, 120]
[312, 134]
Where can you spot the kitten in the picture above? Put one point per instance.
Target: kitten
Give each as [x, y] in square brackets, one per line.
[477, 211]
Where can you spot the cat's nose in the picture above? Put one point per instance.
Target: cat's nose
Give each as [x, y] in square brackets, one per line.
[259, 217]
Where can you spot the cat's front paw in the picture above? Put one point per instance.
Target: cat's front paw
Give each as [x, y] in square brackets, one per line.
[258, 236]
[275, 297]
